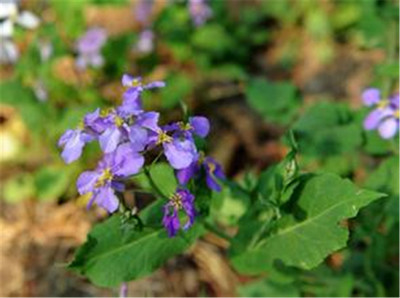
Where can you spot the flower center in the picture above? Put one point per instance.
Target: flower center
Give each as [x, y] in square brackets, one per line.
[211, 167]
[163, 138]
[176, 201]
[136, 83]
[397, 114]
[105, 112]
[106, 176]
[383, 104]
[118, 121]
[185, 126]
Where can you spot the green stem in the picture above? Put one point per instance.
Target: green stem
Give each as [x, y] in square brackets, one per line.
[217, 231]
[153, 184]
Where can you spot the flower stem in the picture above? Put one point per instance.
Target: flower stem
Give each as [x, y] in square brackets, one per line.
[153, 184]
[217, 231]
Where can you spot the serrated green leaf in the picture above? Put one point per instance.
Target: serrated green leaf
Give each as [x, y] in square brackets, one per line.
[112, 255]
[322, 201]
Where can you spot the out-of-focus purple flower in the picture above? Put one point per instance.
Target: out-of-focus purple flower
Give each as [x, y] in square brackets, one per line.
[143, 10]
[145, 42]
[385, 117]
[199, 11]
[73, 142]
[135, 87]
[123, 290]
[182, 200]
[213, 172]
[89, 46]
[371, 96]
[102, 182]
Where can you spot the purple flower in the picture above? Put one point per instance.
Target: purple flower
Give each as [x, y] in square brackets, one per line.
[102, 182]
[89, 46]
[213, 172]
[199, 11]
[179, 151]
[131, 97]
[182, 200]
[143, 10]
[73, 142]
[385, 117]
[145, 43]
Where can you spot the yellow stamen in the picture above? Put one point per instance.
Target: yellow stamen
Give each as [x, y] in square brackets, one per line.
[105, 177]
[211, 167]
[118, 121]
[163, 138]
[105, 112]
[136, 83]
[383, 104]
[176, 201]
[397, 114]
[185, 126]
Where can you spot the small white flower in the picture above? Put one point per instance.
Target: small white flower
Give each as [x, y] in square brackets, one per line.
[9, 17]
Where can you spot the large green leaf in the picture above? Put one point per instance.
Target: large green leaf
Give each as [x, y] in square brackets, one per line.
[112, 255]
[304, 239]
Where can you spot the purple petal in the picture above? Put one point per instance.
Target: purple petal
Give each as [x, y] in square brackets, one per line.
[73, 147]
[109, 139]
[180, 154]
[388, 128]
[127, 80]
[87, 181]
[371, 96]
[373, 119]
[184, 175]
[131, 105]
[106, 198]
[212, 183]
[138, 137]
[149, 120]
[129, 162]
[96, 60]
[170, 221]
[201, 125]
[188, 206]
[155, 84]
[65, 137]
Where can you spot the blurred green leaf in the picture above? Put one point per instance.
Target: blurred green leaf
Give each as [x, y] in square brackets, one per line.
[266, 288]
[51, 182]
[19, 188]
[275, 101]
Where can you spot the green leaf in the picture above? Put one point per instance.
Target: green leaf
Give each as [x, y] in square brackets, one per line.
[178, 87]
[212, 38]
[163, 176]
[327, 129]
[275, 101]
[51, 182]
[305, 238]
[386, 177]
[112, 255]
[19, 188]
[266, 288]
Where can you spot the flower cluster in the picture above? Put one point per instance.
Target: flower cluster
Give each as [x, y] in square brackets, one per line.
[89, 46]
[125, 135]
[385, 116]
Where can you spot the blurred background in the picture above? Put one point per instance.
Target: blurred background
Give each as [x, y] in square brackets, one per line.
[254, 67]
